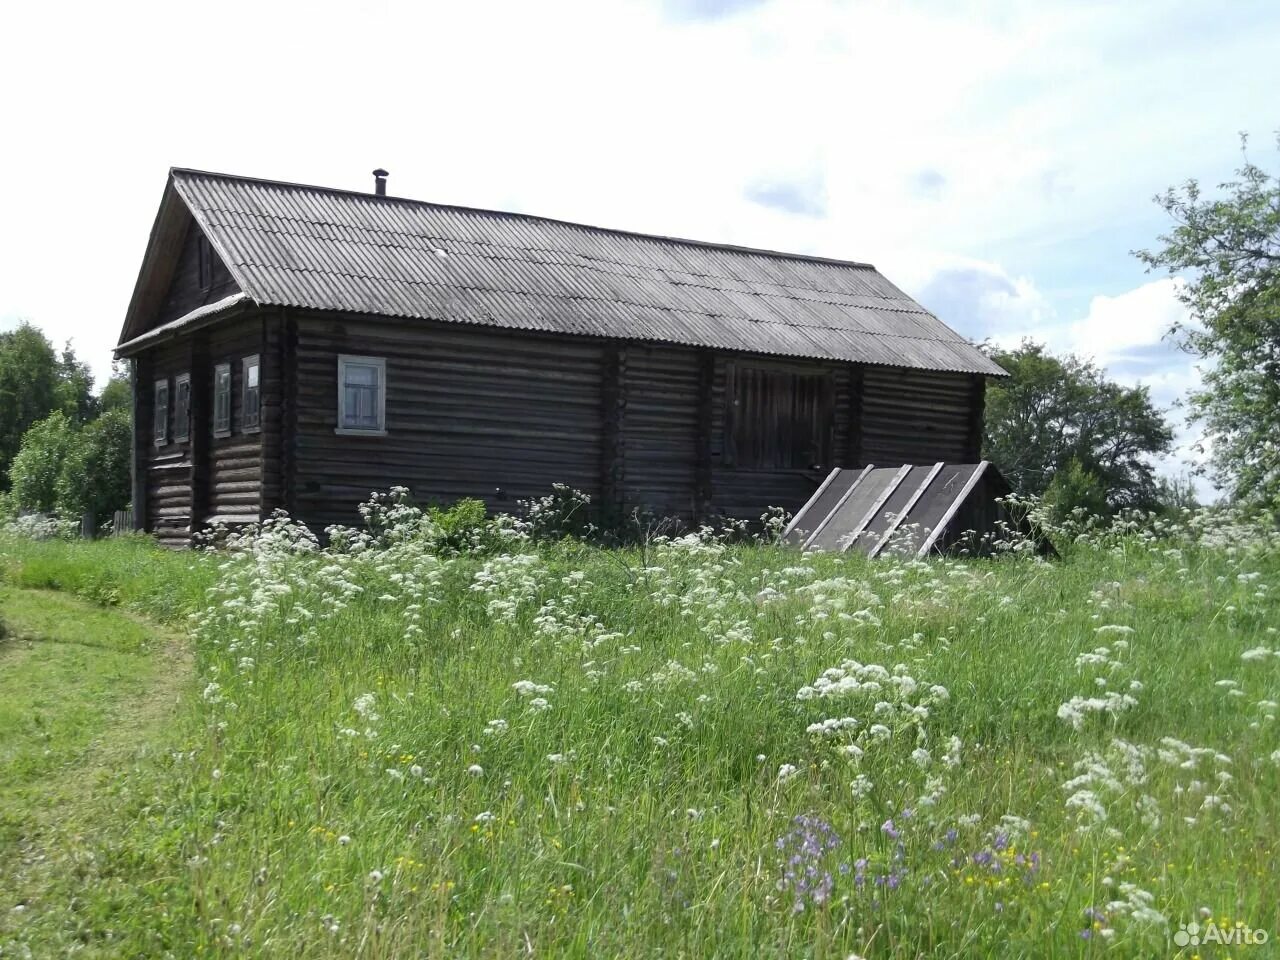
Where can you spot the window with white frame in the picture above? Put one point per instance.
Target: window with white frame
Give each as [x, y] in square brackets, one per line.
[160, 417]
[251, 401]
[222, 400]
[182, 408]
[362, 394]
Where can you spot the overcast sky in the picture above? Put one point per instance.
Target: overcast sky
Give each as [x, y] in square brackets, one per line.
[995, 160]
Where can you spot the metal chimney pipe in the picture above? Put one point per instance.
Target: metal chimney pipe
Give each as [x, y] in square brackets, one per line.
[380, 182]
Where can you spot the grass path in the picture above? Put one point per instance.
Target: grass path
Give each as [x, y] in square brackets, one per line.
[85, 696]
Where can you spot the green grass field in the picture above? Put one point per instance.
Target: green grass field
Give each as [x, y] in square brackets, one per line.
[686, 749]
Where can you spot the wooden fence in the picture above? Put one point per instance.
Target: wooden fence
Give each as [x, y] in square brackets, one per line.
[122, 522]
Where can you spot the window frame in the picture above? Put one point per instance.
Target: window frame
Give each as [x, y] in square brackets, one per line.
[181, 429]
[160, 427]
[222, 427]
[246, 426]
[345, 359]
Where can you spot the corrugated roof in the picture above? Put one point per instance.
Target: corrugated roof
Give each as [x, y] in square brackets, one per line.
[301, 246]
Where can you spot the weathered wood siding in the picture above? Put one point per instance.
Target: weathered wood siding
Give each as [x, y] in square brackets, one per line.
[470, 412]
[660, 430]
[745, 492]
[917, 416]
[500, 415]
[185, 292]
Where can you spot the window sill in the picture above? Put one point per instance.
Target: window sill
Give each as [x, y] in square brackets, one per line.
[221, 434]
[349, 432]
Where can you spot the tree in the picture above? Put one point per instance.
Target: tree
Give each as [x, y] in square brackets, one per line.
[1228, 250]
[118, 392]
[1061, 415]
[94, 477]
[37, 466]
[28, 387]
[75, 387]
[70, 469]
[34, 382]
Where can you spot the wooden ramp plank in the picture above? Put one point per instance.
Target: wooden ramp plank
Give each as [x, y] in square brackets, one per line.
[819, 505]
[851, 509]
[874, 517]
[953, 506]
[902, 513]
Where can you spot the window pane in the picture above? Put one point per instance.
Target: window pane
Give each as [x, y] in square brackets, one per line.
[249, 416]
[222, 398]
[361, 374]
[161, 417]
[360, 404]
[360, 384]
[182, 411]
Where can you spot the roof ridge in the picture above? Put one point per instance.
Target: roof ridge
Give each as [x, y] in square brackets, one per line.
[711, 244]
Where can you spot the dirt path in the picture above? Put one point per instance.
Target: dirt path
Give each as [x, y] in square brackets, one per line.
[86, 698]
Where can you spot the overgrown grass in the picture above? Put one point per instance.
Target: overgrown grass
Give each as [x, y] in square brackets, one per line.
[568, 751]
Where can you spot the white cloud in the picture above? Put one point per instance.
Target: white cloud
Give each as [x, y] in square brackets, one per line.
[983, 300]
[1116, 329]
[1128, 335]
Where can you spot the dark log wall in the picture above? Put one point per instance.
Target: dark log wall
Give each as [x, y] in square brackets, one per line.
[167, 468]
[185, 291]
[277, 373]
[470, 413]
[187, 485]
[235, 462]
[660, 430]
[478, 412]
[917, 416]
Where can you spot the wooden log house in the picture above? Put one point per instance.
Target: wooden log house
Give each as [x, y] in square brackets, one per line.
[299, 347]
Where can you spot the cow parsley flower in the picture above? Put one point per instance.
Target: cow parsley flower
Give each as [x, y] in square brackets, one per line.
[364, 705]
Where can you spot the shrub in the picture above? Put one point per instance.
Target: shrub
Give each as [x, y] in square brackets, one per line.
[464, 527]
[1076, 492]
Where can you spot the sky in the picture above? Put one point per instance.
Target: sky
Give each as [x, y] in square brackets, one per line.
[995, 160]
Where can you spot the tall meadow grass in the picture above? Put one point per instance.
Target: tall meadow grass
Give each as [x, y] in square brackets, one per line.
[694, 748]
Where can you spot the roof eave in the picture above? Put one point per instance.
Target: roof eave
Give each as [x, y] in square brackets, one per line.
[193, 320]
